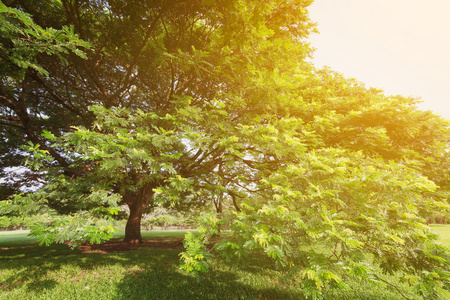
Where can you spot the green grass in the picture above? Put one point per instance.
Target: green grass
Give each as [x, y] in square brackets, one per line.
[58, 273]
[15, 238]
[28, 271]
[55, 272]
[444, 231]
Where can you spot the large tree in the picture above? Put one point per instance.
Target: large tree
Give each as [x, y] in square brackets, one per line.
[157, 56]
[216, 102]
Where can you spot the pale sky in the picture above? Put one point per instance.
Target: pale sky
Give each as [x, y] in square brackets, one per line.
[400, 46]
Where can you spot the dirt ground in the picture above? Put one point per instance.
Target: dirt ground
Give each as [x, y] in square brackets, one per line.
[119, 246]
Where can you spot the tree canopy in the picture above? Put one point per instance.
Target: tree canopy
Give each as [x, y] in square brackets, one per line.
[216, 104]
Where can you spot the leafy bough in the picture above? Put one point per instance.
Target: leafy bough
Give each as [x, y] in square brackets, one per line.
[337, 216]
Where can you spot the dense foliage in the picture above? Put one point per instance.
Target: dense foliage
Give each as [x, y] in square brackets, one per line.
[213, 104]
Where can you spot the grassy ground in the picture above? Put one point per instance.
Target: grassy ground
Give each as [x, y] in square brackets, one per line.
[56, 272]
[15, 238]
[444, 231]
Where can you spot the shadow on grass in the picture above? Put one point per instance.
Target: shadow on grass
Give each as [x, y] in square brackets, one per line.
[173, 285]
[139, 274]
[56, 272]
[165, 281]
[31, 264]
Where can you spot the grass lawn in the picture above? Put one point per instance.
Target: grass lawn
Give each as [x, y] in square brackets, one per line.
[15, 238]
[28, 271]
[444, 231]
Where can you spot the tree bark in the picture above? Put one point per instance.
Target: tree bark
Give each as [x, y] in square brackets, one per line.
[133, 227]
[136, 202]
[219, 211]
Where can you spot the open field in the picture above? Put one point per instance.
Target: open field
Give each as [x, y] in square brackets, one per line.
[444, 231]
[15, 238]
[28, 271]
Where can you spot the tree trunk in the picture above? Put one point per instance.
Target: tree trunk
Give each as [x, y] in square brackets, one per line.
[136, 202]
[133, 227]
[219, 211]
